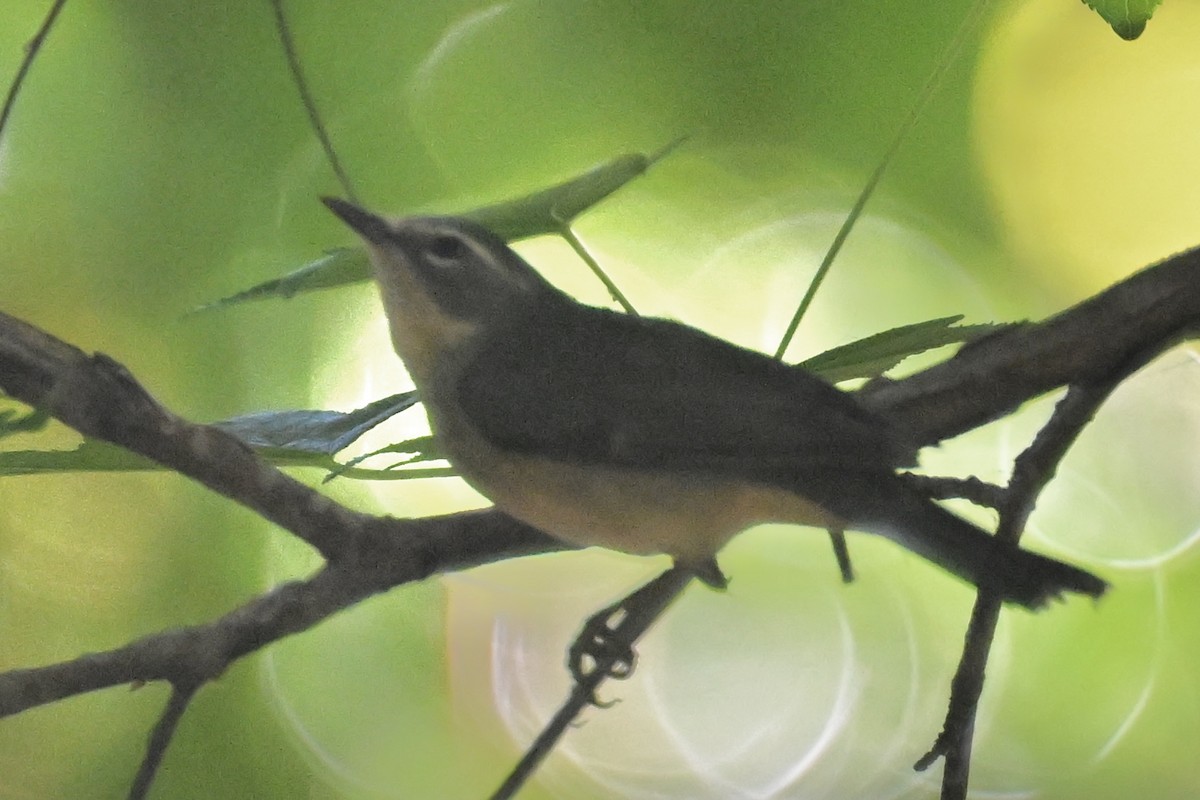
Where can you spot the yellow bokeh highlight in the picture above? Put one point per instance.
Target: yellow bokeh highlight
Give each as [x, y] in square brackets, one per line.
[1087, 142]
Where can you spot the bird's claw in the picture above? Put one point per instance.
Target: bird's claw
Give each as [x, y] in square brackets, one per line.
[599, 647]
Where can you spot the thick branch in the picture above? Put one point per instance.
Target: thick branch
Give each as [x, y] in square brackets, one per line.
[199, 653]
[1094, 342]
[987, 379]
[98, 397]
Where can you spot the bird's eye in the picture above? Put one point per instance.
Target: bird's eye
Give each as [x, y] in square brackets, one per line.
[447, 248]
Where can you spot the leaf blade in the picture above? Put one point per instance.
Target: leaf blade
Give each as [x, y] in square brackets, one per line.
[1127, 18]
[313, 431]
[874, 355]
[538, 213]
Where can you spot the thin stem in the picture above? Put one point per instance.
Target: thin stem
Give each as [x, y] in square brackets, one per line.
[31, 51]
[310, 105]
[567, 233]
[160, 739]
[927, 92]
[641, 609]
[979, 492]
[581, 695]
[1032, 471]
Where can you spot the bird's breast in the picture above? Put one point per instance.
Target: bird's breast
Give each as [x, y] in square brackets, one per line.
[687, 515]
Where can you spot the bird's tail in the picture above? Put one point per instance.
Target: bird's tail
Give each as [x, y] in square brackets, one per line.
[900, 513]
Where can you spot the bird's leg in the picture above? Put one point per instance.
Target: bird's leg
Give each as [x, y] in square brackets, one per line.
[842, 553]
[709, 573]
[606, 642]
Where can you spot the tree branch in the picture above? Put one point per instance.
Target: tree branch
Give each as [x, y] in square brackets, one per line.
[1032, 472]
[160, 738]
[1091, 347]
[99, 398]
[1146, 313]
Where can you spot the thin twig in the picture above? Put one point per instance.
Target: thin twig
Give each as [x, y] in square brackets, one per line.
[927, 92]
[1032, 472]
[840, 549]
[655, 597]
[310, 105]
[578, 700]
[581, 250]
[1100, 340]
[31, 52]
[160, 739]
[978, 491]
[564, 220]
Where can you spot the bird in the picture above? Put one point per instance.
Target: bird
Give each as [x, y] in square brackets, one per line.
[646, 435]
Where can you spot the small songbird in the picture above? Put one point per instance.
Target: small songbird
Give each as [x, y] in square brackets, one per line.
[646, 435]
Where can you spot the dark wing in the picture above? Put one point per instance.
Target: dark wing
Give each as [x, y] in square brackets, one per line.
[586, 385]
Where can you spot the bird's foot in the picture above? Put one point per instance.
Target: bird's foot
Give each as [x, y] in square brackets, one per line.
[604, 648]
[601, 646]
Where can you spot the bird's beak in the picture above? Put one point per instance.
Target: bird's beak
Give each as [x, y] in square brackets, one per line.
[374, 229]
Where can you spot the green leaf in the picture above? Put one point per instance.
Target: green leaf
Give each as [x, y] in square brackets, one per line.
[876, 354]
[91, 456]
[313, 432]
[417, 450]
[285, 438]
[94, 455]
[1128, 18]
[12, 423]
[548, 210]
[338, 267]
[542, 212]
[311, 438]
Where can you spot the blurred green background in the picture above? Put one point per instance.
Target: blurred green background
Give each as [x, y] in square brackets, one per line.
[159, 158]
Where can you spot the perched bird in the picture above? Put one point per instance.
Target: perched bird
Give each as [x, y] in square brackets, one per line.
[646, 435]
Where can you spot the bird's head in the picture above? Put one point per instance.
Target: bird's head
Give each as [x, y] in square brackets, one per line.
[443, 280]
